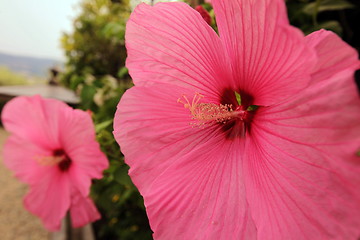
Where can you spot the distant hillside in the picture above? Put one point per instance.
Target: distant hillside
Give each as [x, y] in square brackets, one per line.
[28, 65]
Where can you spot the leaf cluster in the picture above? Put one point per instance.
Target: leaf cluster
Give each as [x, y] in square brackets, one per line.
[310, 15]
[96, 45]
[121, 206]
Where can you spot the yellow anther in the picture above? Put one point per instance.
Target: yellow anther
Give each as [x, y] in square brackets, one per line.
[207, 112]
[48, 160]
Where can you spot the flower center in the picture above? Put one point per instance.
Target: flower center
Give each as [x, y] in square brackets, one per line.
[58, 158]
[233, 116]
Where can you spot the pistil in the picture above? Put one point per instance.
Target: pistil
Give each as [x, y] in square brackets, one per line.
[58, 158]
[211, 112]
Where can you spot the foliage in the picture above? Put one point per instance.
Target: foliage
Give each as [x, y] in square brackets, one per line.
[95, 70]
[123, 212]
[8, 77]
[340, 16]
[305, 14]
[96, 46]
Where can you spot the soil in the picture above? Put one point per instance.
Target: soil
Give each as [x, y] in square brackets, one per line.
[16, 223]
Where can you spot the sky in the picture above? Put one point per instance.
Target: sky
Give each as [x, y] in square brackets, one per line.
[34, 27]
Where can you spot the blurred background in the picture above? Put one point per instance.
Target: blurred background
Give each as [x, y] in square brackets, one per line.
[74, 50]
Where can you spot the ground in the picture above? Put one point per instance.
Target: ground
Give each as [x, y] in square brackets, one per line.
[15, 222]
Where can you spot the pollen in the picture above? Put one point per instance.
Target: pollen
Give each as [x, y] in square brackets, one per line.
[208, 112]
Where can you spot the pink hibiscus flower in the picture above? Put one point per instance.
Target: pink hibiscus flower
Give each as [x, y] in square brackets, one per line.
[52, 148]
[251, 134]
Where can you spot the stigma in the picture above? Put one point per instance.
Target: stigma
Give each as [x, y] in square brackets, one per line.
[205, 113]
[49, 160]
[58, 158]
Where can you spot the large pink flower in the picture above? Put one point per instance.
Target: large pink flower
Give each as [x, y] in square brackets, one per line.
[208, 164]
[52, 148]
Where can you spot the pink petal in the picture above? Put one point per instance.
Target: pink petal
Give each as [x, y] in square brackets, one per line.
[301, 170]
[201, 195]
[269, 58]
[34, 119]
[192, 190]
[84, 168]
[171, 43]
[79, 127]
[151, 118]
[78, 141]
[49, 199]
[334, 54]
[20, 157]
[82, 210]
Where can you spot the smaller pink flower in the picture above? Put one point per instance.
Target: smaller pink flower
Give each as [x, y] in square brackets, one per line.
[52, 148]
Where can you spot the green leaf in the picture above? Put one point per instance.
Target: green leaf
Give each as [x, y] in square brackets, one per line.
[126, 195]
[103, 125]
[252, 108]
[75, 80]
[121, 175]
[122, 72]
[238, 98]
[332, 25]
[87, 95]
[329, 25]
[327, 5]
